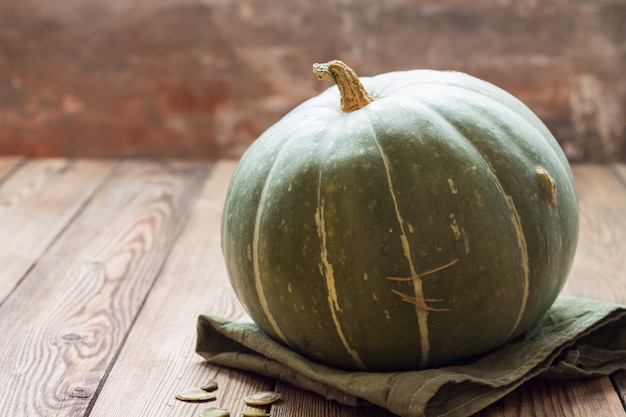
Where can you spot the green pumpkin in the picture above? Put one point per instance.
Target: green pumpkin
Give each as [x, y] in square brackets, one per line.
[429, 218]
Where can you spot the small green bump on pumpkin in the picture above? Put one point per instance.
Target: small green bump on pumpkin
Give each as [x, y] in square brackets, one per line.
[547, 185]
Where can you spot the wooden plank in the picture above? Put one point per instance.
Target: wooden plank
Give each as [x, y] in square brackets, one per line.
[599, 269]
[37, 202]
[561, 398]
[63, 326]
[160, 348]
[619, 170]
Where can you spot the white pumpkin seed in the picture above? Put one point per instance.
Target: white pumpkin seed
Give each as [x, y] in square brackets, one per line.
[262, 398]
[209, 385]
[195, 394]
[215, 412]
[254, 413]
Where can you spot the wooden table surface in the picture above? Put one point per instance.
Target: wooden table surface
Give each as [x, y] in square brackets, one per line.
[105, 266]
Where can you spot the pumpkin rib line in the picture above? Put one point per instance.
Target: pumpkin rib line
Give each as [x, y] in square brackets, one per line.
[422, 314]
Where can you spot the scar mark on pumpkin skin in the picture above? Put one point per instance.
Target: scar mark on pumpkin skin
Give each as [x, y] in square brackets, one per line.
[452, 186]
[422, 303]
[548, 185]
[423, 274]
[328, 272]
[455, 227]
[466, 244]
[459, 233]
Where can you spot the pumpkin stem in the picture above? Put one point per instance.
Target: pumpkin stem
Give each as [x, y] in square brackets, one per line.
[353, 94]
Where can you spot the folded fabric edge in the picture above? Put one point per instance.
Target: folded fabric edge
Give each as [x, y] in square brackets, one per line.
[232, 340]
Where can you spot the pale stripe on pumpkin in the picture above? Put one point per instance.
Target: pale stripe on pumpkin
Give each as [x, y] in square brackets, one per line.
[521, 244]
[257, 266]
[422, 314]
[329, 274]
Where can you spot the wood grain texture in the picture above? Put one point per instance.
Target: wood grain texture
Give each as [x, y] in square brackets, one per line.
[37, 202]
[63, 326]
[160, 348]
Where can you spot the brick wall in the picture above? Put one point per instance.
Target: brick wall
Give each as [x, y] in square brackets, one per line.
[203, 78]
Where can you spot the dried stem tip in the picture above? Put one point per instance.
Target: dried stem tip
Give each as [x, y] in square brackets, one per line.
[353, 94]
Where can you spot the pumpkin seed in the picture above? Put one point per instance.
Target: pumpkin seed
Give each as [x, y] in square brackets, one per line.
[195, 394]
[262, 398]
[209, 385]
[215, 412]
[254, 413]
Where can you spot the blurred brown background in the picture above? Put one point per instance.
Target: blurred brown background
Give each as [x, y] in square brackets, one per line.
[203, 78]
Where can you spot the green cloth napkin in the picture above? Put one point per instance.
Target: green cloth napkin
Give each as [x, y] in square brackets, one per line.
[576, 338]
